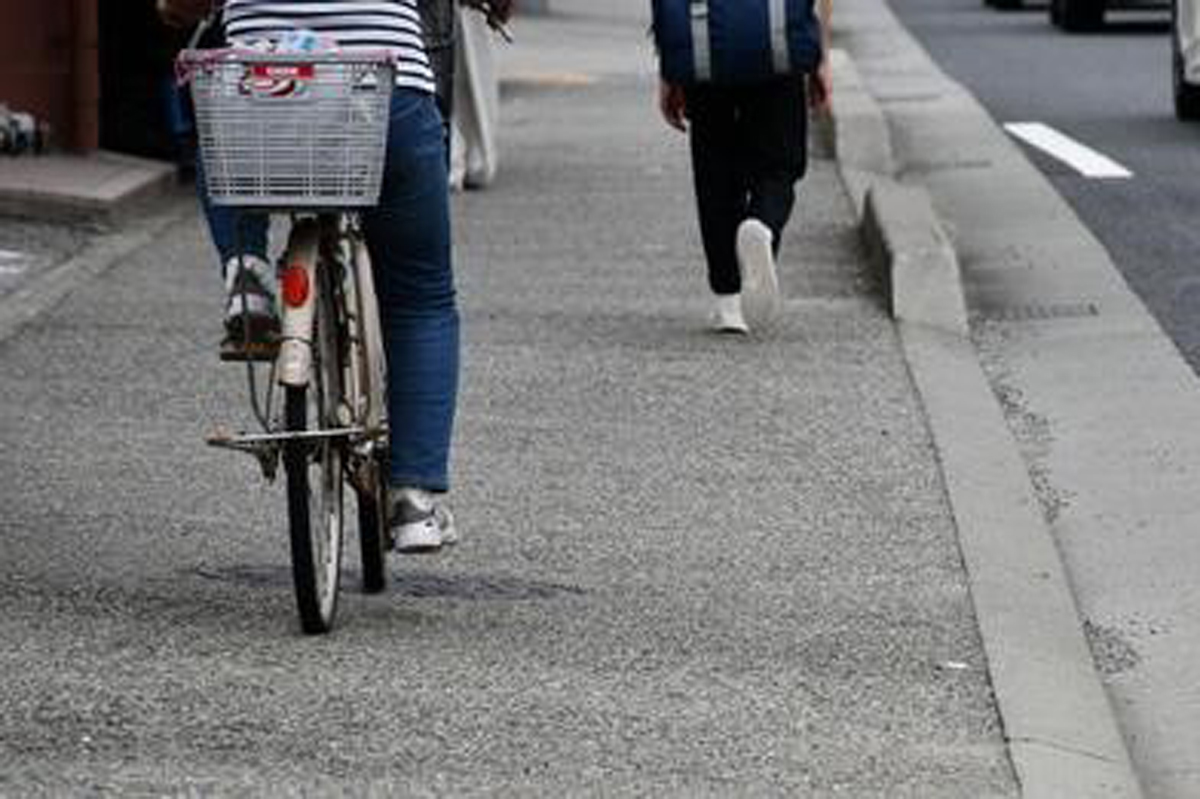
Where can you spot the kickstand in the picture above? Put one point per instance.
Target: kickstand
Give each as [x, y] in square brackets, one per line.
[264, 449]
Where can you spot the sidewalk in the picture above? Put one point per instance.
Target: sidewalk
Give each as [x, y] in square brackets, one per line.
[692, 565]
[70, 188]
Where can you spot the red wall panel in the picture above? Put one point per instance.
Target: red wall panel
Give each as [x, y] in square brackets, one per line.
[36, 56]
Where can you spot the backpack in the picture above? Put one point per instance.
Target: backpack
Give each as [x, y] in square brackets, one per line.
[734, 42]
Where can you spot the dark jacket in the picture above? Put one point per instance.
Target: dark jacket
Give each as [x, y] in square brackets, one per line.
[439, 19]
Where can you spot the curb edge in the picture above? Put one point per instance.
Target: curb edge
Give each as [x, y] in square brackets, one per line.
[45, 291]
[1060, 729]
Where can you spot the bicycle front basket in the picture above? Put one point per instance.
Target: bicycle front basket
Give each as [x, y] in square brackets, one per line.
[291, 130]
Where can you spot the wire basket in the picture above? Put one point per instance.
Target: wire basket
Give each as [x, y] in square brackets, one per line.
[291, 130]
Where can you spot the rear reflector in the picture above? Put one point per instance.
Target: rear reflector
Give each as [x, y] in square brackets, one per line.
[295, 286]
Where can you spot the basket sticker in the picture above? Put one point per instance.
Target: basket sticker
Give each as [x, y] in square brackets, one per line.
[278, 80]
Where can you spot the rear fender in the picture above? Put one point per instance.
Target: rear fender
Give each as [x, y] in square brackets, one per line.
[295, 351]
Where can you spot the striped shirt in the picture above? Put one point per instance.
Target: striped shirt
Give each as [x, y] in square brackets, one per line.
[393, 25]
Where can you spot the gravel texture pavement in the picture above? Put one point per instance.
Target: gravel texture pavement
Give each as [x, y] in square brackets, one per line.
[692, 565]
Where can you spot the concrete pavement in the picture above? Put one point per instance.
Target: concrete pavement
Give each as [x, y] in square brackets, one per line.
[71, 188]
[692, 565]
[1102, 406]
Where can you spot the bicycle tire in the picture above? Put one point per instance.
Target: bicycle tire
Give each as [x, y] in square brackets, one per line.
[373, 537]
[316, 537]
[1080, 16]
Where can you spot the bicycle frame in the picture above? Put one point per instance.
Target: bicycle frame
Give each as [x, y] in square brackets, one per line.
[309, 244]
[328, 241]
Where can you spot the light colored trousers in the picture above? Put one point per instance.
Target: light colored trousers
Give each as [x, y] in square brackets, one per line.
[1189, 38]
[473, 153]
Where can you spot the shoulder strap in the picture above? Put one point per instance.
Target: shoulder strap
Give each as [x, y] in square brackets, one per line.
[780, 48]
[701, 43]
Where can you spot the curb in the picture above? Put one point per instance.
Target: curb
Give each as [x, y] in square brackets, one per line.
[48, 289]
[1062, 734]
[905, 240]
[860, 133]
[102, 188]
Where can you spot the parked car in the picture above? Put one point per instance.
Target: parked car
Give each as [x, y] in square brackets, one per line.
[1185, 57]
[1077, 16]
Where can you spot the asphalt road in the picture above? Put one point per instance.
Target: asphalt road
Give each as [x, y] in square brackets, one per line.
[1111, 91]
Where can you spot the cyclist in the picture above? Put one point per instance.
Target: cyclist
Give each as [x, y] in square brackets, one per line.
[408, 236]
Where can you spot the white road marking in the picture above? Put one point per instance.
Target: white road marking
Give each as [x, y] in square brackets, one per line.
[1079, 157]
[13, 262]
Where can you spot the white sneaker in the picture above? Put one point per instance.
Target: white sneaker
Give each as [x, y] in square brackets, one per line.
[727, 315]
[760, 284]
[252, 324]
[418, 523]
[250, 288]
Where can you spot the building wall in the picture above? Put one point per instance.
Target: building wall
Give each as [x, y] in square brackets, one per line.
[37, 51]
[96, 70]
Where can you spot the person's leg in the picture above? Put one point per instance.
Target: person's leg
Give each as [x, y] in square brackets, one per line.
[720, 187]
[241, 241]
[774, 132]
[251, 315]
[478, 90]
[233, 231]
[408, 235]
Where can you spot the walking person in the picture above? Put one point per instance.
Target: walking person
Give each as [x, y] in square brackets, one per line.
[473, 150]
[748, 132]
[408, 236]
[452, 38]
[439, 22]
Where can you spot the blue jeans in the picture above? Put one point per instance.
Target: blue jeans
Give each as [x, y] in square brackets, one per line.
[408, 236]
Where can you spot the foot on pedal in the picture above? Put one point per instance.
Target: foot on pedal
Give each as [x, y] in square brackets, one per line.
[252, 327]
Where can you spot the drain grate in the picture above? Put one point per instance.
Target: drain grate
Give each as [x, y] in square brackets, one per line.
[919, 167]
[249, 576]
[1038, 312]
[912, 97]
[480, 587]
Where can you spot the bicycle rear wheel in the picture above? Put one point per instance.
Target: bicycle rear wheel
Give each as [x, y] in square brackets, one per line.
[373, 537]
[369, 376]
[314, 469]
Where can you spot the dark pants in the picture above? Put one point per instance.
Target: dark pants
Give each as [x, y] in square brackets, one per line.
[439, 18]
[749, 148]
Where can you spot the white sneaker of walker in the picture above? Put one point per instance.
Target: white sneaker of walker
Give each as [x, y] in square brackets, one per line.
[761, 301]
[727, 315]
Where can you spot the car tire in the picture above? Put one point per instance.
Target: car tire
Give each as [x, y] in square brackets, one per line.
[1078, 16]
[1056, 13]
[1187, 95]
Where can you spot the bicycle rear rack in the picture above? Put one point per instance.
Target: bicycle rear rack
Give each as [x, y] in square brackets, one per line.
[266, 447]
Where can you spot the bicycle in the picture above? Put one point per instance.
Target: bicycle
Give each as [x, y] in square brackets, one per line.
[304, 134]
